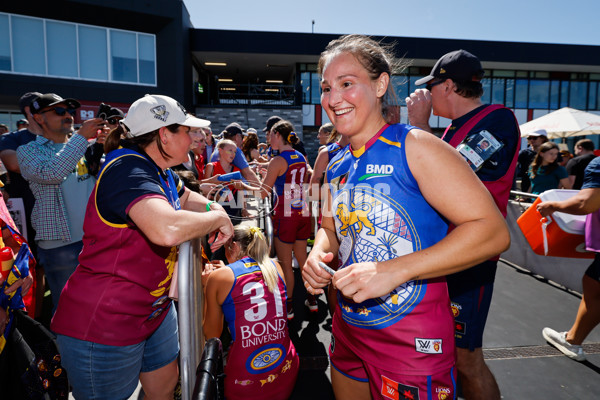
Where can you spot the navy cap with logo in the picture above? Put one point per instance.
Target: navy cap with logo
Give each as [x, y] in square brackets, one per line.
[22, 122]
[49, 100]
[459, 65]
[26, 99]
[270, 122]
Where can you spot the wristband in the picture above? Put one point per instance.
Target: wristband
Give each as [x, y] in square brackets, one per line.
[208, 205]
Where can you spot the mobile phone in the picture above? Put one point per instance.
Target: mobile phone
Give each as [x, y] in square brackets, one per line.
[103, 111]
[326, 268]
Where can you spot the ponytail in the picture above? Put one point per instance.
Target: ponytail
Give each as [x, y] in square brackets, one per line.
[113, 139]
[254, 245]
[293, 138]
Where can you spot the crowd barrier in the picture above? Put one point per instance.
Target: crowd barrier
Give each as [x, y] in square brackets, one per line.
[190, 306]
[265, 222]
[201, 366]
[564, 271]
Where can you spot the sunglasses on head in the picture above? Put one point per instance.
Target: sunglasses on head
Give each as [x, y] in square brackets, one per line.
[61, 111]
[429, 86]
[113, 121]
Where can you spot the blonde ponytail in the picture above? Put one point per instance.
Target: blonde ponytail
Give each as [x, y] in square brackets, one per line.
[254, 245]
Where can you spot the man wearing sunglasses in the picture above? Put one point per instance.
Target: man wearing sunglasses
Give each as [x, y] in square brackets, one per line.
[57, 173]
[454, 91]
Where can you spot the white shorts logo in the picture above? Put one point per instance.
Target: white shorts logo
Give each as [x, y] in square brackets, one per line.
[428, 346]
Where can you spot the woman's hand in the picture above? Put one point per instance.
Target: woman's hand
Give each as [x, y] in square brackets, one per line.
[315, 278]
[363, 281]
[221, 236]
[206, 271]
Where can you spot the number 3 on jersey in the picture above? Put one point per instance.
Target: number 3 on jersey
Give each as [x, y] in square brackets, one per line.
[256, 291]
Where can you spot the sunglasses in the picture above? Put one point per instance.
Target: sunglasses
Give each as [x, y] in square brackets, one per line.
[429, 86]
[113, 121]
[60, 111]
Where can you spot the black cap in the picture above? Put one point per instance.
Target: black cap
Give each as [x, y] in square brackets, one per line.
[115, 112]
[51, 99]
[270, 122]
[233, 129]
[26, 99]
[459, 65]
[22, 122]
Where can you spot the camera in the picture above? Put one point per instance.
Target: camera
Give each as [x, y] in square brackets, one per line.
[103, 111]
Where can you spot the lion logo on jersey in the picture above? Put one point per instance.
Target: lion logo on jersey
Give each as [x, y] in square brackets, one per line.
[358, 216]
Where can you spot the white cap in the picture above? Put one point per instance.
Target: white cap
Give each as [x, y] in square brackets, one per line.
[538, 132]
[153, 111]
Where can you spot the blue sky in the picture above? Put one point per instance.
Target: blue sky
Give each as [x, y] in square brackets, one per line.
[549, 21]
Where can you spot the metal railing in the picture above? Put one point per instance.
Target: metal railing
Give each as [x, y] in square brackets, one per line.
[515, 194]
[190, 308]
[265, 222]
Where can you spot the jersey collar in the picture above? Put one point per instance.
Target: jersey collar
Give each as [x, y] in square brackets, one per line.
[359, 152]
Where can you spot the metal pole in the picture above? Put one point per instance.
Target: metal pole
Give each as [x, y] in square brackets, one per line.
[191, 336]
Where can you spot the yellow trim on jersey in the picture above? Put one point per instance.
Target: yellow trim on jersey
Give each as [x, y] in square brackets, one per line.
[338, 161]
[96, 191]
[359, 152]
[397, 144]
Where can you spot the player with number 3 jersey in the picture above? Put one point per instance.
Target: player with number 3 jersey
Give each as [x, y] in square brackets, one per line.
[250, 293]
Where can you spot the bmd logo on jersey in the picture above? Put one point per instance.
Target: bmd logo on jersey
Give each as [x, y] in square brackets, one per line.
[428, 346]
[377, 171]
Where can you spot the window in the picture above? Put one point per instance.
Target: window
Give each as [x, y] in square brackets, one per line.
[510, 93]
[61, 42]
[305, 82]
[578, 95]
[35, 46]
[147, 59]
[554, 94]
[498, 91]
[123, 56]
[521, 93]
[400, 84]
[28, 45]
[5, 60]
[411, 83]
[93, 53]
[487, 90]
[592, 97]
[503, 73]
[315, 95]
[538, 93]
[564, 94]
